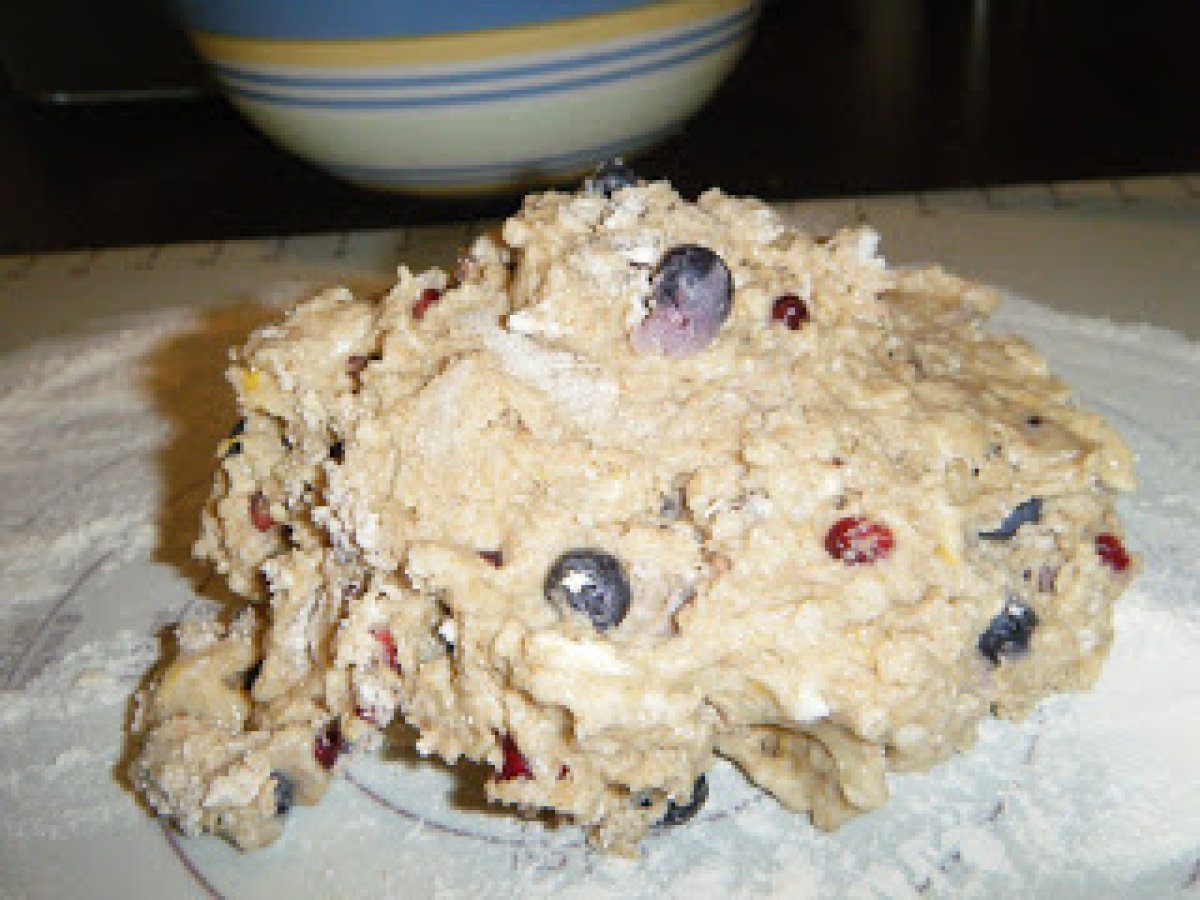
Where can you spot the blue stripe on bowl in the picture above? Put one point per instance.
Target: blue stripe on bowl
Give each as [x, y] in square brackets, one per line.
[499, 172]
[365, 19]
[466, 75]
[709, 47]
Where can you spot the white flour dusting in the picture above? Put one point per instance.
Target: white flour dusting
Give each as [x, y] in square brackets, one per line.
[107, 455]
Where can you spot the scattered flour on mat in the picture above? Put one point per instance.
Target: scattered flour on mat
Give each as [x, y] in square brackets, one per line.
[62, 738]
[1102, 787]
[85, 425]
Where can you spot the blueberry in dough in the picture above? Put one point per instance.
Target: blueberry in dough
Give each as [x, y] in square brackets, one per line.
[592, 582]
[285, 793]
[610, 176]
[691, 297]
[1008, 632]
[678, 813]
[1027, 511]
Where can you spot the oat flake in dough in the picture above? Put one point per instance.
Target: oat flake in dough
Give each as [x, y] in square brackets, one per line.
[410, 467]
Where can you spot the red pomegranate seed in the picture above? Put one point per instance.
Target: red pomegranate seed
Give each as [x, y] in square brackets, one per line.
[1112, 552]
[260, 512]
[515, 765]
[790, 310]
[429, 297]
[329, 745]
[388, 644]
[856, 539]
[495, 557]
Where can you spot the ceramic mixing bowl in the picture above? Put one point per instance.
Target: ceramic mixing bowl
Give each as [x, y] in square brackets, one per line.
[466, 97]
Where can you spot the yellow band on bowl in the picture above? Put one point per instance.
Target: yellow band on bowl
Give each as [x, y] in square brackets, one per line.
[463, 47]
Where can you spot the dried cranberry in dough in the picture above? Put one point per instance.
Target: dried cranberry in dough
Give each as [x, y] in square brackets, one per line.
[856, 540]
[515, 765]
[1112, 552]
[790, 310]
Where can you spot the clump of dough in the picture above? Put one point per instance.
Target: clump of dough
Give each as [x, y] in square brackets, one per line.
[812, 523]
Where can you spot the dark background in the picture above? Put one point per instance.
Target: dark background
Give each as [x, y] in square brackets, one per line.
[832, 98]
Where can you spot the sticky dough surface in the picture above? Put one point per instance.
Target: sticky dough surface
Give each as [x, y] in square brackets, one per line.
[411, 466]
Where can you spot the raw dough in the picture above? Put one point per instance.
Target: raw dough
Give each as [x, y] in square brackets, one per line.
[851, 525]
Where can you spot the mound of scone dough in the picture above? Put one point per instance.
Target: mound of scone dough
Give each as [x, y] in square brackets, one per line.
[643, 483]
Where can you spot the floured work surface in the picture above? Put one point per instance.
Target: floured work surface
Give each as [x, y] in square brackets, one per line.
[1011, 813]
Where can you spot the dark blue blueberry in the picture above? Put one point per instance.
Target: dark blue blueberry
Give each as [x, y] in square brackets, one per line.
[285, 793]
[238, 429]
[234, 449]
[611, 175]
[1008, 632]
[592, 582]
[678, 813]
[1027, 511]
[337, 451]
[692, 296]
